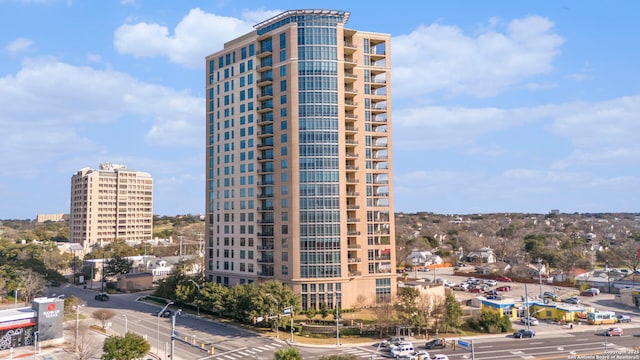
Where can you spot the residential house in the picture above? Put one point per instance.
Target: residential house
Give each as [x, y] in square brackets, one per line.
[483, 255]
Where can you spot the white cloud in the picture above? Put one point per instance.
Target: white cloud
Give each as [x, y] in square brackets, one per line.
[19, 45]
[488, 63]
[600, 132]
[197, 35]
[50, 108]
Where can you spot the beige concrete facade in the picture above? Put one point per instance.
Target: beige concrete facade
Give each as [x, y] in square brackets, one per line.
[298, 160]
[110, 203]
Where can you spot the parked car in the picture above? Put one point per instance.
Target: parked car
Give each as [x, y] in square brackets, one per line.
[623, 318]
[494, 297]
[572, 300]
[503, 279]
[587, 293]
[475, 290]
[595, 291]
[435, 344]
[460, 287]
[524, 333]
[491, 292]
[424, 269]
[529, 320]
[550, 295]
[491, 282]
[614, 331]
[102, 297]
[504, 288]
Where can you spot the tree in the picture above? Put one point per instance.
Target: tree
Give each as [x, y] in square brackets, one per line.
[118, 265]
[32, 284]
[103, 315]
[87, 345]
[408, 304]
[452, 318]
[385, 314]
[289, 353]
[128, 347]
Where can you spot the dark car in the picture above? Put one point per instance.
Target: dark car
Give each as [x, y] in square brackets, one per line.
[587, 293]
[435, 344]
[166, 313]
[102, 297]
[623, 318]
[524, 333]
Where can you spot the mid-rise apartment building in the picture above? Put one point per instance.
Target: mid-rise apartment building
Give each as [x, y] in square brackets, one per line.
[298, 160]
[110, 203]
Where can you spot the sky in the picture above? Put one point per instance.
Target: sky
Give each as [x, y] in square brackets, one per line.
[498, 106]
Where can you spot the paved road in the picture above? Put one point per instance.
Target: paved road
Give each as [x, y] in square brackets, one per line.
[235, 344]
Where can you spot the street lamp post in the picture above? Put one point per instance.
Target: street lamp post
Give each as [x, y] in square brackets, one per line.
[277, 313]
[198, 300]
[173, 331]
[126, 323]
[15, 297]
[75, 341]
[160, 313]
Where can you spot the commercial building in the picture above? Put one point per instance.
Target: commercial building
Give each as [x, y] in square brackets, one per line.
[298, 160]
[28, 326]
[110, 203]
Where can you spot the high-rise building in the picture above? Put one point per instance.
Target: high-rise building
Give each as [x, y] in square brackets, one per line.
[110, 203]
[298, 160]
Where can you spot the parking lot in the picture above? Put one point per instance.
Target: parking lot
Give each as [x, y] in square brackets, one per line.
[601, 302]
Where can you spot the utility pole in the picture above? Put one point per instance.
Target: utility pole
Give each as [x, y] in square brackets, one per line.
[540, 275]
[15, 298]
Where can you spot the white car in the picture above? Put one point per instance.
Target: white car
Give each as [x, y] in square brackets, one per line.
[440, 357]
[594, 290]
[530, 320]
[402, 350]
[491, 282]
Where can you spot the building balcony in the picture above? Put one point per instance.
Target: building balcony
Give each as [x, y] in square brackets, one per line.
[267, 80]
[265, 234]
[350, 129]
[353, 246]
[355, 273]
[353, 233]
[265, 96]
[353, 194]
[353, 206]
[353, 220]
[350, 116]
[354, 260]
[264, 109]
[265, 274]
[265, 145]
[265, 209]
[266, 132]
[265, 260]
[350, 155]
[264, 53]
[350, 104]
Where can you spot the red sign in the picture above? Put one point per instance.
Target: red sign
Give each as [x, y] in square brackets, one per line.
[51, 307]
